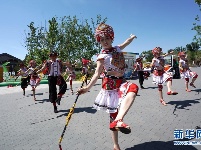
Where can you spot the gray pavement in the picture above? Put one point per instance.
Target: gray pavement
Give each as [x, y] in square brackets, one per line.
[32, 125]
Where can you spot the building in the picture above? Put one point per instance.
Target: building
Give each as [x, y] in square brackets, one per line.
[4, 57]
[14, 62]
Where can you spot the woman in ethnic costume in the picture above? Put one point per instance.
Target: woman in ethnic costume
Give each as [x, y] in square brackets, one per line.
[85, 68]
[34, 78]
[159, 75]
[185, 72]
[24, 77]
[70, 70]
[140, 70]
[117, 95]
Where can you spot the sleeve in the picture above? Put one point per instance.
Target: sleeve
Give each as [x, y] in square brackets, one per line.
[118, 49]
[100, 57]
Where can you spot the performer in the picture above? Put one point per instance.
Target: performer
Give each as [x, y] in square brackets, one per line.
[34, 78]
[185, 72]
[54, 69]
[25, 78]
[139, 68]
[159, 75]
[85, 66]
[70, 70]
[117, 95]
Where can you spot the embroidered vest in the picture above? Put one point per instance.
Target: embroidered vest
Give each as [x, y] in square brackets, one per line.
[53, 68]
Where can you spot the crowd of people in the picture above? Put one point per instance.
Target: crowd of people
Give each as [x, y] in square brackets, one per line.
[116, 95]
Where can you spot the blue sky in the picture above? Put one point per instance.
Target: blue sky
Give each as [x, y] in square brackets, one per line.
[164, 23]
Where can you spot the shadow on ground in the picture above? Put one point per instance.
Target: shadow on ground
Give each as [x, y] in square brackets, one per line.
[160, 145]
[78, 110]
[183, 104]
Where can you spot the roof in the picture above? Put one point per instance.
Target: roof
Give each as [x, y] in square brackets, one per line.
[4, 57]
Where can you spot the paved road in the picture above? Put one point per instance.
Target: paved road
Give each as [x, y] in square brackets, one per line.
[32, 125]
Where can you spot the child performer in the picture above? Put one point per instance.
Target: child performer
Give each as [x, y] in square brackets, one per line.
[116, 95]
[159, 75]
[185, 72]
[54, 69]
[70, 70]
[85, 67]
[34, 78]
[139, 68]
[24, 77]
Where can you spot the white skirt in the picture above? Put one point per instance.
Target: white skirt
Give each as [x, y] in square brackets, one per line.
[188, 74]
[160, 80]
[33, 82]
[110, 100]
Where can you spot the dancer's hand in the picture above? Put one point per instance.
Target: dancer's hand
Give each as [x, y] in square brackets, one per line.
[82, 90]
[133, 36]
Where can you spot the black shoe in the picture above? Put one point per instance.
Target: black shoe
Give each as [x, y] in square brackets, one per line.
[142, 87]
[58, 100]
[55, 109]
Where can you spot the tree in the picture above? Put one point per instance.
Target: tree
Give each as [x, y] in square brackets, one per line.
[194, 46]
[148, 55]
[198, 2]
[70, 37]
[197, 26]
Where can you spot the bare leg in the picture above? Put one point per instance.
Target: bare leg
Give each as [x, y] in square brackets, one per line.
[161, 97]
[187, 89]
[37, 83]
[71, 87]
[169, 84]
[193, 80]
[125, 105]
[33, 89]
[115, 140]
[160, 94]
[160, 88]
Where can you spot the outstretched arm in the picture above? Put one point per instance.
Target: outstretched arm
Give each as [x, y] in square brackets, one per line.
[42, 69]
[95, 77]
[127, 42]
[168, 54]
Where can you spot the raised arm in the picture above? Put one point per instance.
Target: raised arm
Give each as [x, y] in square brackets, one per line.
[166, 54]
[42, 69]
[127, 42]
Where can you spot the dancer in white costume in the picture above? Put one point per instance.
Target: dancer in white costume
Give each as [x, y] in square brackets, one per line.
[117, 95]
[34, 78]
[159, 75]
[70, 70]
[185, 72]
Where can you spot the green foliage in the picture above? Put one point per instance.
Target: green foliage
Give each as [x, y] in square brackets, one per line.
[71, 38]
[198, 2]
[148, 55]
[197, 26]
[194, 46]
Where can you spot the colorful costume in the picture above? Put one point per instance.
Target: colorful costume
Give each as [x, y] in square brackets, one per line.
[186, 72]
[114, 89]
[139, 69]
[34, 78]
[71, 75]
[25, 78]
[85, 68]
[54, 70]
[160, 76]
